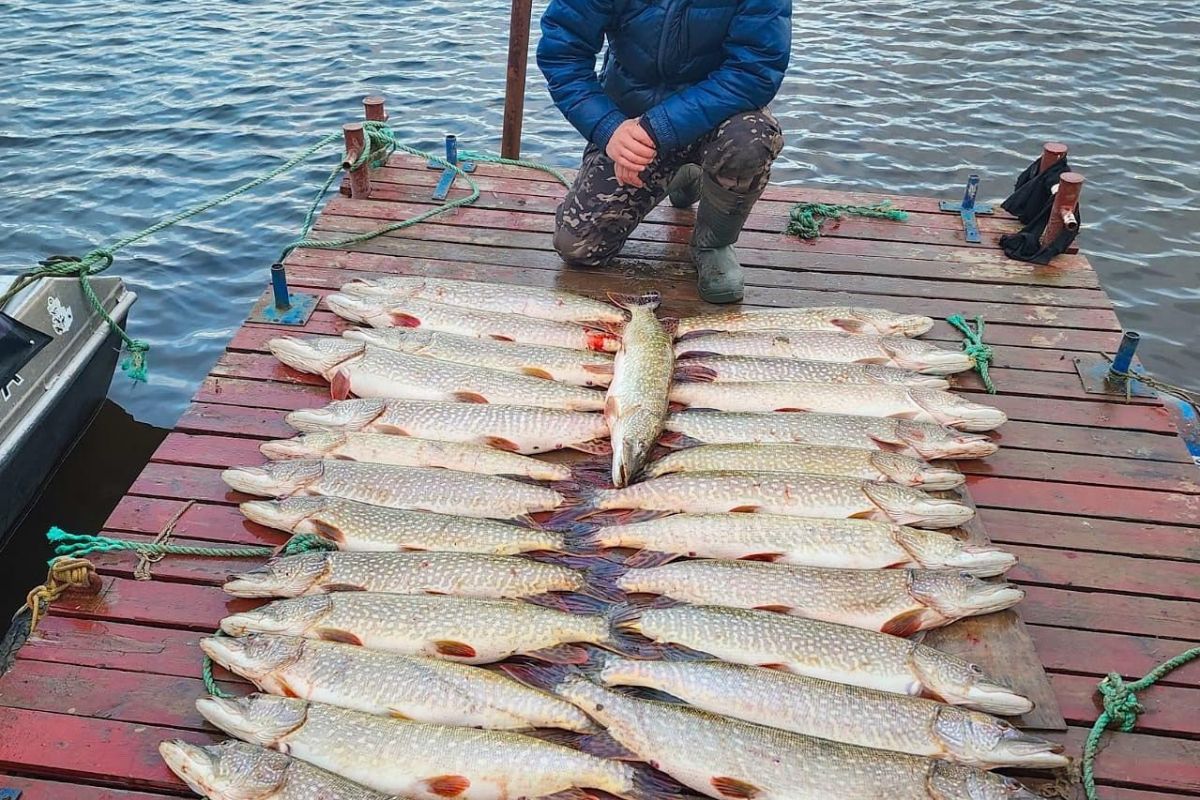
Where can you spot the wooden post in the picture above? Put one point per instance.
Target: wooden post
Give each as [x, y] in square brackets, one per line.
[356, 142]
[514, 88]
[373, 109]
[1051, 152]
[1062, 215]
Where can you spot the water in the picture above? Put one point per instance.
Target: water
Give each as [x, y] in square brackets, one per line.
[117, 113]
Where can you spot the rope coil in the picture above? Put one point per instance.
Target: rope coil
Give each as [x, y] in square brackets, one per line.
[63, 575]
[805, 219]
[77, 545]
[974, 347]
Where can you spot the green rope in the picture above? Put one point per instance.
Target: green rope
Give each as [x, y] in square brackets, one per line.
[806, 218]
[974, 347]
[79, 545]
[492, 158]
[1122, 707]
[206, 673]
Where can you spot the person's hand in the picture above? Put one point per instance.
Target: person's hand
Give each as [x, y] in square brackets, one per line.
[632, 150]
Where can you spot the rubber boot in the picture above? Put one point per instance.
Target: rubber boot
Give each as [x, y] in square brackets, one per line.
[684, 188]
[719, 221]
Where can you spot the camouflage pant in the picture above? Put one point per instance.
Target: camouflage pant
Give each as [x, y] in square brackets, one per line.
[598, 214]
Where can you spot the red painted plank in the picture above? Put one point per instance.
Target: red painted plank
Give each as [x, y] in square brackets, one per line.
[1102, 535]
[174, 605]
[1092, 501]
[37, 789]
[1138, 759]
[1097, 470]
[1179, 580]
[1097, 653]
[214, 523]
[1113, 613]
[257, 422]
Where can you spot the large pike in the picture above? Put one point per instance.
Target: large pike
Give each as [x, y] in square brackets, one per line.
[454, 628]
[637, 397]
[847, 319]
[406, 687]
[838, 711]
[845, 543]
[365, 370]
[361, 527]
[518, 429]
[791, 494]
[414, 313]
[919, 439]
[424, 761]
[730, 759]
[736, 369]
[239, 771]
[838, 653]
[576, 367]
[532, 301]
[896, 601]
[860, 400]
[850, 348]
[870, 465]
[442, 491]
[407, 451]
[459, 574]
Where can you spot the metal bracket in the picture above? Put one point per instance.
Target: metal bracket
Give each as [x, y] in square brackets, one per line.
[448, 175]
[1094, 374]
[281, 306]
[10, 794]
[967, 209]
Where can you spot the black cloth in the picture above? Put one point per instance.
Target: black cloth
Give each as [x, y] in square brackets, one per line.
[19, 343]
[1032, 191]
[1031, 202]
[1026, 245]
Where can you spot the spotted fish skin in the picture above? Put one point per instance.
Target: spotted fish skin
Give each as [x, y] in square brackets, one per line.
[518, 429]
[846, 319]
[637, 403]
[850, 348]
[531, 301]
[566, 365]
[361, 527]
[739, 369]
[390, 685]
[917, 439]
[441, 491]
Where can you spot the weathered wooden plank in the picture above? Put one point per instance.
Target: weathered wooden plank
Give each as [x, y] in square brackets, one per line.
[1086, 533]
[38, 789]
[256, 422]
[1178, 580]
[1090, 501]
[1112, 613]
[174, 605]
[1097, 470]
[1097, 653]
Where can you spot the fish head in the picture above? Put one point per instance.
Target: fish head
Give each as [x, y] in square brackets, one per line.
[955, 594]
[398, 286]
[914, 472]
[629, 451]
[254, 657]
[920, 356]
[262, 719]
[936, 441]
[284, 515]
[960, 682]
[292, 616]
[230, 771]
[404, 340]
[366, 310]
[985, 741]
[345, 415]
[947, 781]
[877, 373]
[277, 479]
[956, 411]
[289, 576]
[882, 322]
[315, 354]
[906, 506]
[306, 445]
[941, 550]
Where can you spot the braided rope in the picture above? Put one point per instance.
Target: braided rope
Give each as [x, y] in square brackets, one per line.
[805, 219]
[974, 347]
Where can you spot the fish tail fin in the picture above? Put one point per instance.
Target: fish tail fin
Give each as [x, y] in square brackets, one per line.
[539, 675]
[579, 501]
[590, 473]
[601, 576]
[643, 559]
[630, 301]
[584, 538]
[558, 736]
[670, 325]
[693, 372]
[650, 784]
[623, 635]
[571, 603]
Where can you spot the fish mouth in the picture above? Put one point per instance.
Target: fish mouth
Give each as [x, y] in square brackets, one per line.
[313, 355]
[252, 480]
[355, 309]
[939, 479]
[935, 362]
[1019, 749]
[964, 445]
[991, 597]
[976, 417]
[260, 582]
[938, 513]
[246, 622]
[345, 415]
[995, 698]
[192, 764]
[982, 560]
[230, 716]
[231, 658]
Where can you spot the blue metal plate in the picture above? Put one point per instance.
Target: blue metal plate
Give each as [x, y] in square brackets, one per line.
[297, 314]
[1093, 373]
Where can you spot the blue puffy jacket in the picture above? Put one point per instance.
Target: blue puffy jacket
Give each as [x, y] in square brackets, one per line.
[683, 65]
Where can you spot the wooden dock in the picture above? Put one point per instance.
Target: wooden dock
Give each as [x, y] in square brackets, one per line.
[1099, 499]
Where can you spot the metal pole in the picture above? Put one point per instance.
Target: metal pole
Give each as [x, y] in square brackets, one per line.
[452, 148]
[279, 287]
[356, 142]
[1124, 357]
[1062, 215]
[514, 88]
[1051, 152]
[373, 109]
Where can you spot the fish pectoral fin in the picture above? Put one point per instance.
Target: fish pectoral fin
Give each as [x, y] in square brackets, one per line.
[500, 337]
[343, 587]
[603, 745]
[561, 654]
[339, 385]
[776, 667]
[396, 714]
[468, 397]
[745, 510]
[908, 415]
[598, 369]
[767, 557]
[794, 409]
[733, 787]
[874, 360]
[327, 531]
[596, 447]
[574, 793]
[335, 635]
[868, 514]
[402, 320]
[447, 647]
[536, 372]
[448, 785]
[849, 325]
[907, 623]
[778, 609]
[501, 443]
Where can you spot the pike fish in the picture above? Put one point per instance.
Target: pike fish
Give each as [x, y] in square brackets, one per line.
[407, 451]
[461, 629]
[385, 684]
[848, 319]
[442, 491]
[860, 400]
[846, 348]
[730, 759]
[896, 601]
[576, 367]
[699, 367]
[532, 301]
[637, 397]
[459, 574]
[239, 771]
[361, 527]
[919, 439]
[842, 544]
[518, 429]
[413, 313]
[870, 465]
[367, 371]
[838, 712]
[423, 761]
[791, 494]
[838, 653]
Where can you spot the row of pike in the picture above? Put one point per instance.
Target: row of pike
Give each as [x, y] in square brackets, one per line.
[380, 670]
